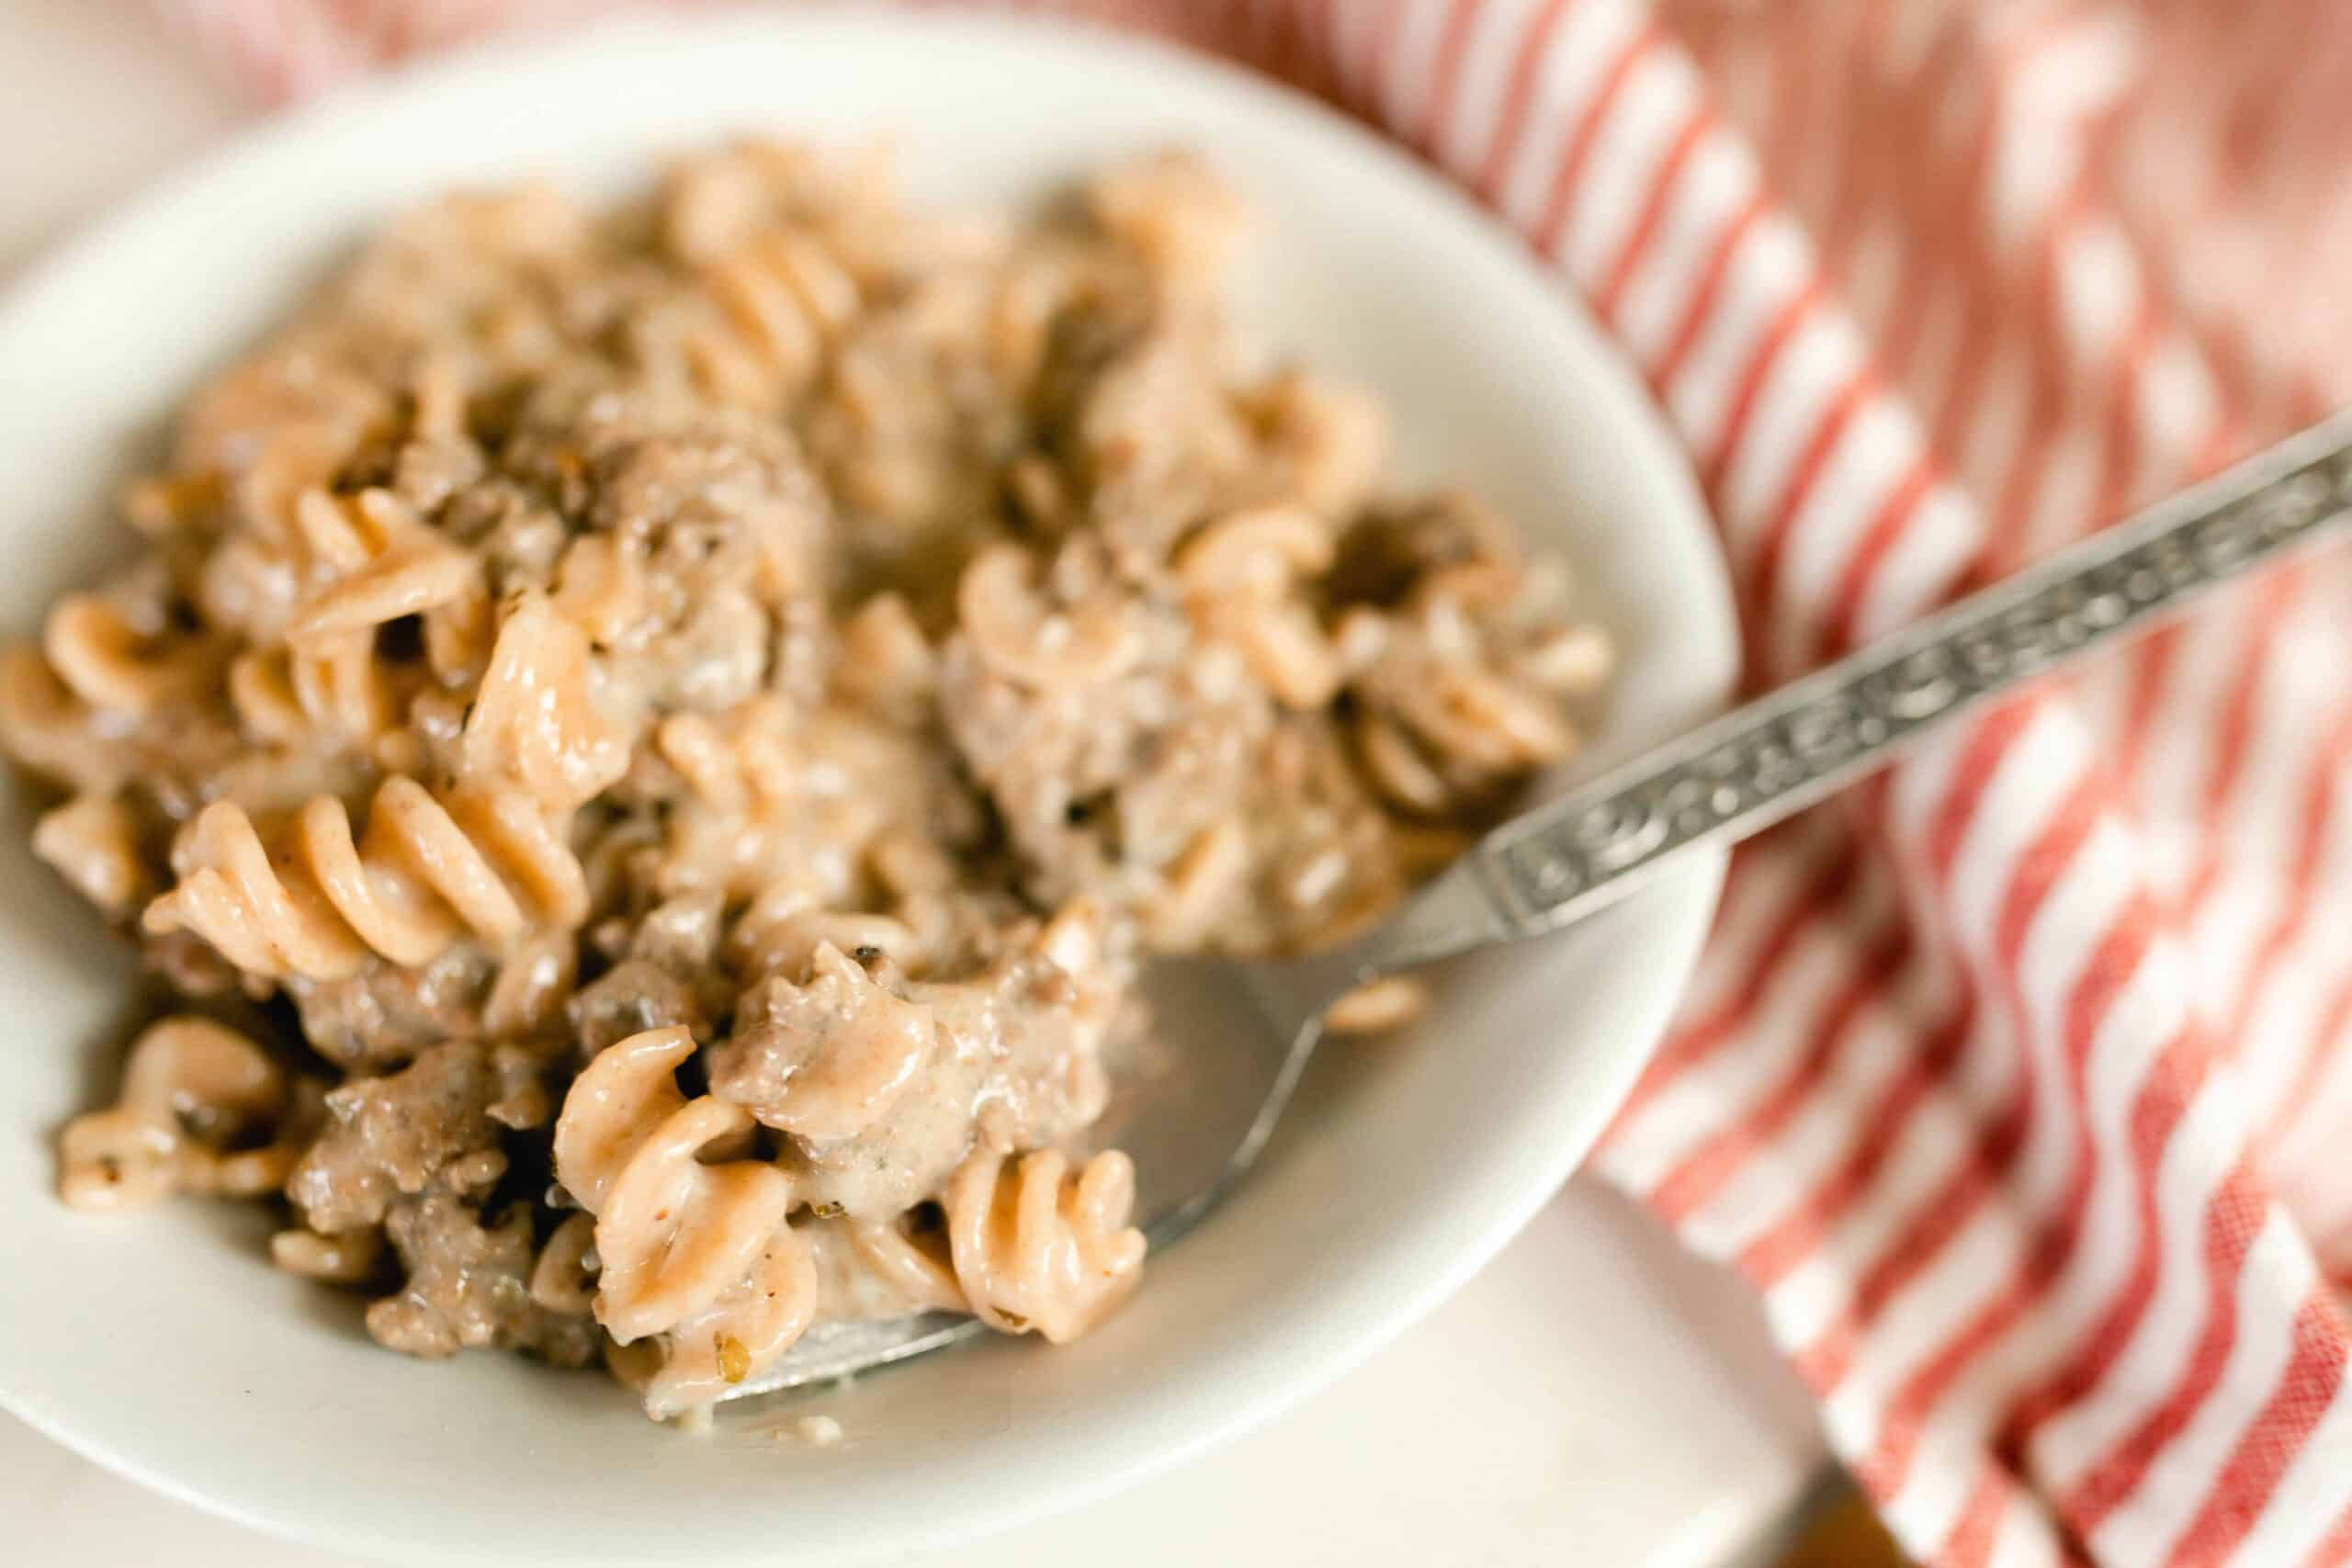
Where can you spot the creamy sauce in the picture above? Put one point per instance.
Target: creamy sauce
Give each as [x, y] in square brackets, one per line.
[704, 708]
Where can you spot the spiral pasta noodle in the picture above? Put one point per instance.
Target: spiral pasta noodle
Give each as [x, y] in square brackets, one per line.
[323, 697]
[873, 1269]
[47, 727]
[780, 298]
[1038, 1246]
[193, 1091]
[1464, 682]
[346, 1260]
[1241, 573]
[779, 805]
[379, 560]
[842, 1047]
[538, 719]
[107, 664]
[1024, 637]
[316, 677]
[560, 1277]
[695, 1254]
[92, 841]
[740, 823]
[783, 938]
[600, 587]
[314, 899]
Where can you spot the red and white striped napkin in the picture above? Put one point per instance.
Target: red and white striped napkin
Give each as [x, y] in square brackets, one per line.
[2011, 1081]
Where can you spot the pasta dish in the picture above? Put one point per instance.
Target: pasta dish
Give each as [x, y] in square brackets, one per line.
[645, 748]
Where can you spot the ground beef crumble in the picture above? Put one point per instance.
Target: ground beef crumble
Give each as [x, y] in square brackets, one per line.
[389, 1137]
[467, 1286]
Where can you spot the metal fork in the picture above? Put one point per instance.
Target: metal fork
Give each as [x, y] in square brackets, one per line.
[1756, 766]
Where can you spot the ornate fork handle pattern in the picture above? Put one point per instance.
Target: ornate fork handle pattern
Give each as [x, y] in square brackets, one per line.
[1772, 757]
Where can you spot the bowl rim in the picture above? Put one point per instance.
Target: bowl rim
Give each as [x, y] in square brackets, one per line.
[155, 211]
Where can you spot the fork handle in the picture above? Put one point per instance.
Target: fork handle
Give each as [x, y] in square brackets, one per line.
[1771, 758]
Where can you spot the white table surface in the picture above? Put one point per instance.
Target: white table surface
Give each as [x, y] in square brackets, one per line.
[1592, 1397]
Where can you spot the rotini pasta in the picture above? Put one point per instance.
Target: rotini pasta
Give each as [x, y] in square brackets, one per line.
[1467, 682]
[868, 1270]
[1377, 1007]
[562, 1279]
[847, 1047]
[780, 298]
[539, 719]
[114, 667]
[774, 802]
[203, 1109]
[315, 900]
[331, 695]
[349, 1259]
[51, 730]
[1025, 640]
[698, 1253]
[784, 941]
[377, 561]
[717, 701]
[92, 841]
[1241, 572]
[1039, 1248]
[882, 1063]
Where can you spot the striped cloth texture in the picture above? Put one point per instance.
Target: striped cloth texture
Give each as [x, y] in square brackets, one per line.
[2011, 1082]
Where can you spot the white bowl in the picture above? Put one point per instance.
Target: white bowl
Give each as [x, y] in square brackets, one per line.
[162, 1344]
